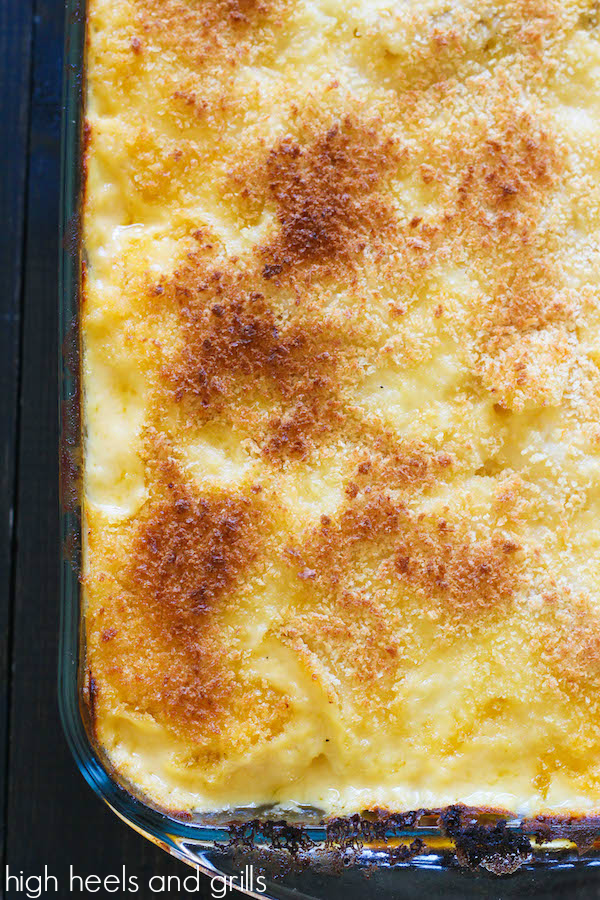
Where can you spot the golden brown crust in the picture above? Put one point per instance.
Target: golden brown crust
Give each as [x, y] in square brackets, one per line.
[571, 644]
[450, 571]
[203, 32]
[469, 576]
[341, 380]
[185, 555]
[189, 552]
[327, 194]
[236, 348]
[233, 335]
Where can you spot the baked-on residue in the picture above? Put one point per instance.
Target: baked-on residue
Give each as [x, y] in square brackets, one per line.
[341, 332]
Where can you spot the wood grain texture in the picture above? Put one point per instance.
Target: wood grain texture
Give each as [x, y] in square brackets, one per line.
[15, 36]
[53, 816]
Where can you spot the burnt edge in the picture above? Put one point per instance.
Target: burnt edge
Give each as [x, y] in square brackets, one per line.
[476, 837]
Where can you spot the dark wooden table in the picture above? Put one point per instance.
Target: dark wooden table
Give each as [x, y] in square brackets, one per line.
[49, 815]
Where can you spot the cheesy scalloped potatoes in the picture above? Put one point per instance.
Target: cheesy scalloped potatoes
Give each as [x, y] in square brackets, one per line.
[341, 328]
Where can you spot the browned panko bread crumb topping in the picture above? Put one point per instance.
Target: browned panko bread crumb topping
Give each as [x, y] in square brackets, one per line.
[189, 552]
[341, 392]
[326, 195]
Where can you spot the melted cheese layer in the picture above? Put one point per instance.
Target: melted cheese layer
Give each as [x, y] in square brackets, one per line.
[342, 401]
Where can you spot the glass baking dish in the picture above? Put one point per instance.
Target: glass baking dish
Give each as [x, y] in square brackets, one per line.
[450, 852]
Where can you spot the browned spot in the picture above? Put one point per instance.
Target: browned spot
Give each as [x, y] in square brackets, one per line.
[189, 552]
[507, 175]
[326, 188]
[436, 558]
[183, 676]
[311, 419]
[398, 464]
[530, 301]
[329, 552]
[206, 30]
[571, 644]
[236, 348]
[468, 575]
[240, 341]
[493, 186]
